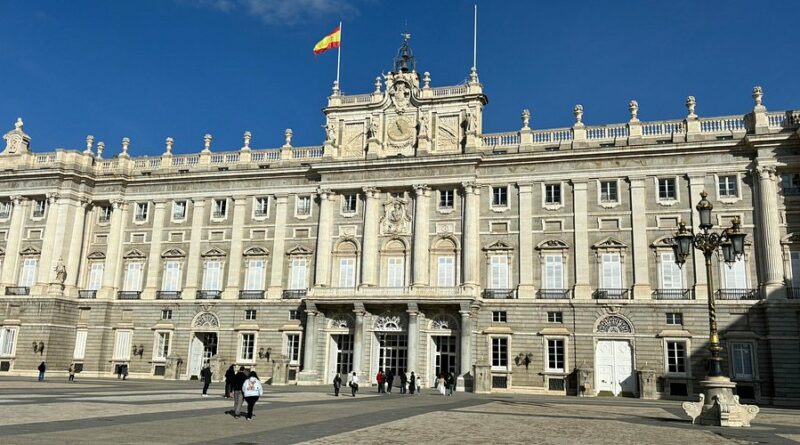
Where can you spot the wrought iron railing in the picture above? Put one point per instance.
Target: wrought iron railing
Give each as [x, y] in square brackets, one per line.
[129, 295]
[737, 294]
[18, 290]
[793, 293]
[87, 294]
[251, 294]
[293, 294]
[556, 294]
[205, 294]
[499, 294]
[611, 294]
[168, 295]
[672, 294]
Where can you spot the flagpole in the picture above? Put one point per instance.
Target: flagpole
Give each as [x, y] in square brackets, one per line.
[475, 39]
[339, 54]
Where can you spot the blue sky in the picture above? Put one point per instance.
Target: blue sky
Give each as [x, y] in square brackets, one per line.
[148, 69]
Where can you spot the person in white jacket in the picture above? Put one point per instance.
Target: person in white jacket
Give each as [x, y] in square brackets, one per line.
[353, 383]
[252, 390]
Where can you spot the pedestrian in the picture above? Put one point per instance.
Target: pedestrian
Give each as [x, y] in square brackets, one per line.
[337, 384]
[440, 384]
[71, 371]
[42, 369]
[412, 383]
[205, 375]
[451, 384]
[389, 380]
[419, 385]
[252, 390]
[353, 383]
[238, 398]
[119, 371]
[230, 375]
[380, 378]
[403, 382]
[124, 371]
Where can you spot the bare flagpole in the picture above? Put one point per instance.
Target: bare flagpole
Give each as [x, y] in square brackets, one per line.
[475, 39]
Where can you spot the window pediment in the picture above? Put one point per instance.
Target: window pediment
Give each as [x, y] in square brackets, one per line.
[395, 245]
[173, 253]
[553, 244]
[134, 254]
[665, 242]
[498, 246]
[347, 244]
[96, 256]
[256, 251]
[213, 252]
[299, 251]
[30, 250]
[610, 243]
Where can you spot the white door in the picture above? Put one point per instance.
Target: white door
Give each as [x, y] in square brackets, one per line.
[614, 367]
[195, 356]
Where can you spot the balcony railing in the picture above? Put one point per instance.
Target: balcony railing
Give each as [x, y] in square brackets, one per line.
[209, 294]
[251, 294]
[293, 294]
[555, 294]
[672, 294]
[737, 294]
[611, 294]
[87, 294]
[129, 295]
[18, 290]
[499, 294]
[793, 293]
[168, 295]
[436, 292]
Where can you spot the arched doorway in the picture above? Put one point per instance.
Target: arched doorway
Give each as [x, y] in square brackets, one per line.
[613, 359]
[203, 343]
[391, 341]
[443, 347]
[340, 349]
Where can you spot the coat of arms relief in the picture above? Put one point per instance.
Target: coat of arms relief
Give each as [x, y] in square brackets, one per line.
[396, 219]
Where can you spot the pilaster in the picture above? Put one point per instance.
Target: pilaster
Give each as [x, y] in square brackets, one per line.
[641, 269]
[770, 239]
[235, 258]
[327, 204]
[309, 372]
[358, 338]
[471, 234]
[527, 288]
[45, 274]
[74, 254]
[278, 248]
[193, 260]
[465, 349]
[369, 258]
[413, 337]
[421, 251]
[113, 251]
[696, 186]
[582, 290]
[14, 237]
[154, 259]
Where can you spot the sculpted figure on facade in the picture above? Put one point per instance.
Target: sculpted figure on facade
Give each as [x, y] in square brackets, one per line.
[330, 133]
[396, 220]
[61, 272]
[472, 122]
[400, 95]
[424, 125]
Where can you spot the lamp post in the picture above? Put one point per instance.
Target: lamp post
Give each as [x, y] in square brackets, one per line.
[717, 406]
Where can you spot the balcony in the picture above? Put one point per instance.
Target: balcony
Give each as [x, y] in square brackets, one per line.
[611, 294]
[18, 290]
[737, 294]
[209, 294]
[168, 295]
[368, 292]
[672, 294]
[499, 294]
[294, 294]
[251, 294]
[129, 295]
[793, 293]
[554, 294]
[87, 294]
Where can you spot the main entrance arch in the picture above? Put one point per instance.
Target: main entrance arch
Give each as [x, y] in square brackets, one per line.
[613, 359]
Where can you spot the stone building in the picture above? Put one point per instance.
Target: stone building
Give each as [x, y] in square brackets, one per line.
[410, 239]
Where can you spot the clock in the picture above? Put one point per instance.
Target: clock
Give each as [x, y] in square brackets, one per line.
[400, 129]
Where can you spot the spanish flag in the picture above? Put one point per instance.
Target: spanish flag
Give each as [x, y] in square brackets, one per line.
[330, 41]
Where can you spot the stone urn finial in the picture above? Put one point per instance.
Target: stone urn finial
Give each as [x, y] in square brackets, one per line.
[169, 142]
[89, 145]
[426, 80]
[207, 143]
[691, 103]
[378, 84]
[246, 140]
[125, 143]
[758, 94]
[578, 112]
[633, 107]
[100, 147]
[288, 137]
[526, 119]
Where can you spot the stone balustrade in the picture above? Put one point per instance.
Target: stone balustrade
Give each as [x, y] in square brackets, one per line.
[350, 293]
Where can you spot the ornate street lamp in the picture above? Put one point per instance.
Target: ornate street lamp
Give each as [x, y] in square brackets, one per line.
[717, 406]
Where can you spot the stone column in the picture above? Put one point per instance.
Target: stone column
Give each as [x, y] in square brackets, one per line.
[193, 268]
[770, 239]
[697, 185]
[113, 249]
[235, 257]
[583, 289]
[422, 205]
[14, 240]
[641, 269]
[327, 205]
[413, 337]
[527, 288]
[154, 260]
[278, 248]
[358, 338]
[57, 254]
[45, 273]
[309, 343]
[75, 253]
[369, 254]
[465, 366]
[471, 235]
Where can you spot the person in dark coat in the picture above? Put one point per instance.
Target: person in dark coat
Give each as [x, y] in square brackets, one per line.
[42, 369]
[337, 384]
[403, 382]
[205, 374]
[238, 397]
[230, 375]
[389, 380]
[451, 384]
[412, 383]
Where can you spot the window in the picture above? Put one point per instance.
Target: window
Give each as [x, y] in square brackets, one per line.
[140, 211]
[553, 272]
[790, 183]
[671, 277]
[5, 209]
[250, 314]
[728, 187]
[248, 347]
[133, 277]
[347, 272]
[122, 345]
[303, 206]
[294, 314]
[397, 195]
[735, 275]
[395, 268]
[80, 344]
[611, 276]
[499, 352]
[498, 273]
[742, 360]
[212, 278]
[446, 271]
[299, 274]
[674, 318]
[499, 196]
[172, 276]
[166, 314]
[795, 263]
[555, 317]
[261, 207]
[499, 317]
[254, 277]
[178, 210]
[293, 348]
[555, 355]
[220, 210]
[667, 189]
[104, 214]
[608, 191]
[446, 199]
[39, 206]
[349, 203]
[96, 275]
[161, 345]
[7, 341]
[27, 277]
[552, 194]
[676, 357]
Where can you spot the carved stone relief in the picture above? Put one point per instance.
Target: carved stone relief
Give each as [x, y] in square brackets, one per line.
[352, 145]
[396, 219]
[447, 134]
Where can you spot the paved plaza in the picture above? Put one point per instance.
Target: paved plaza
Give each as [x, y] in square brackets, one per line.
[166, 412]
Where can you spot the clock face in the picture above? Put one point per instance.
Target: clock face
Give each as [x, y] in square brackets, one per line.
[400, 129]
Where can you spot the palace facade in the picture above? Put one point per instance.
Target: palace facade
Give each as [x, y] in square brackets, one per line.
[411, 240]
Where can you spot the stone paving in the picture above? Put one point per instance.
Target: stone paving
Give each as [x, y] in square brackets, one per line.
[161, 412]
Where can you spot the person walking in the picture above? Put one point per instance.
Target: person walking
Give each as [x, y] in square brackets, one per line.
[119, 371]
[71, 372]
[252, 390]
[380, 378]
[451, 384]
[205, 374]
[124, 371]
[419, 385]
[403, 382]
[440, 384]
[238, 398]
[230, 375]
[389, 380]
[42, 368]
[353, 383]
[337, 384]
[412, 383]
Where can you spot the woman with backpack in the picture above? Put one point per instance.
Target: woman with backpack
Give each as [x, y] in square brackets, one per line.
[252, 390]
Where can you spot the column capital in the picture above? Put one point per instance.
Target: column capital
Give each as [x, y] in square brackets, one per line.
[325, 193]
[766, 172]
[525, 187]
[471, 187]
[421, 190]
[696, 177]
[371, 192]
[160, 203]
[239, 199]
[18, 199]
[84, 202]
[358, 309]
[52, 197]
[636, 181]
[579, 184]
[118, 203]
[281, 198]
[198, 201]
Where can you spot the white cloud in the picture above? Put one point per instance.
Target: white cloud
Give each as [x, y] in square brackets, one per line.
[281, 11]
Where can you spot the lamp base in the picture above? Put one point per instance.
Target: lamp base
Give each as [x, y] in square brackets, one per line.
[718, 406]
